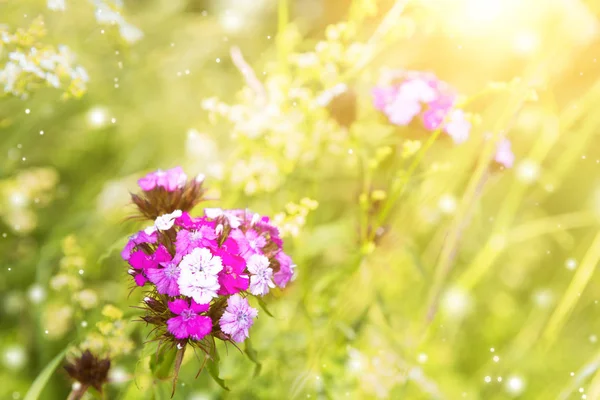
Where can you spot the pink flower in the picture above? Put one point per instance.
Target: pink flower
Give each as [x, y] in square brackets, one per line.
[418, 89]
[188, 324]
[164, 278]
[249, 242]
[504, 154]
[382, 96]
[237, 318]
[232, 278]
[458, 126]
[201, 235]
[437, 111]
[142, 262]
[402, 110]
[170, 180]
[146, 236]
[285, 273]
[261, 278]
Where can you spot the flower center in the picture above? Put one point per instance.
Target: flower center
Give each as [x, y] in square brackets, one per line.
[188, 314]
[171, 271]
[242, 317]
[196, 235]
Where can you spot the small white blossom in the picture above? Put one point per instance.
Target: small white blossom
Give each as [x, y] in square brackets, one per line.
[166, 221]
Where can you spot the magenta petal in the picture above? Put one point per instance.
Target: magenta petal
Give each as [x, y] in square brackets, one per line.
[185, 221]
[199, 327]
[162, 255]
[165, 283]
[148, 182]
[177, 306]
[230, 246]
[140, 260]
[140, 279]
[199, 308]
[178, 327]
[232, 284]
[126, 253]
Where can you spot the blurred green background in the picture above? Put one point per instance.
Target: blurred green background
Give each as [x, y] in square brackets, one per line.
[479, 284]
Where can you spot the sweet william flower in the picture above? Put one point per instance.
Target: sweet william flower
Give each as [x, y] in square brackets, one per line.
[237, 318]
[232, 278]
[250, 242]
[202, 234]
[165, 274]
[145, 236]
[261, 278]
[188, 323]
[198, 275]
[166, 221]
[286, 271]
[170, 180]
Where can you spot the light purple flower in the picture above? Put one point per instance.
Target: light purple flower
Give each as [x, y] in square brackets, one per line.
[383, 95]
[250, 242]
[504, 154]
[203, 235]
[145, 236]
[165, 278]
[188, 324]
[261, 278]
[170, 180]
[437, 111]
[237, 318]
[286, 269]
[402, 110]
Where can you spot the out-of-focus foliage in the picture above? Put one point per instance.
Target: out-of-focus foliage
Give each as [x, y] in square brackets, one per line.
[422, 271]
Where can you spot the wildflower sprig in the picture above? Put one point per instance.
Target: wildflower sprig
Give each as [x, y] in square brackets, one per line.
[28, 63]
[200, 271]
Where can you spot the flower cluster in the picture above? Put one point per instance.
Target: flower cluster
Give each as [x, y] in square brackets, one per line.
[405, 95]
[108, 12]
[202, 269]
[31, 64]
[409, 94]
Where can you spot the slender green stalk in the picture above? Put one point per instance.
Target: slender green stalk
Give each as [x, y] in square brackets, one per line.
[580, 281]
[472, 192]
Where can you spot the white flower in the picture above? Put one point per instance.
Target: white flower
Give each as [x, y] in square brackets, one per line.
[233, 220]
[261, 278]
[166, 221]
[201, 289]
[198, 276]
[201, 263]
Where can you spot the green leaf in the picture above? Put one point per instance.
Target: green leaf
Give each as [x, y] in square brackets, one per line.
[40, 382]
[253, 356]
[263, 305]
[162, 367]
[213, 369]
